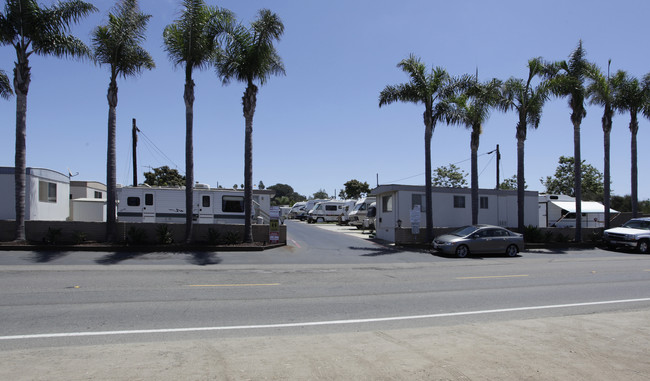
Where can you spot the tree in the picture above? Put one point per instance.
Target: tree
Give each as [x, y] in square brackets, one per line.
[449, 177]
[472, 109]
[118, 45]
[285, 195]
[633, 96]
[511, 184]
[164, 177]
[192, 41]
[355, 188]
[567, 79]
[251, 57]
[260, 185]
[321, 194]
[30, 29]
[5, 86]
[563, 182]
[624, 204]
[602, 91]
[528, 100]
[428, 89]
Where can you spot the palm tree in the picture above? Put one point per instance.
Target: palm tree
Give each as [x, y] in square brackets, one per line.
[567, 79]
[118, 45]
[192, 41]
[602, 91]
[30, 28]
[249, 57]
[528, 100]
[472, 109]
[429, 89]
[633, 96]
[5, 86]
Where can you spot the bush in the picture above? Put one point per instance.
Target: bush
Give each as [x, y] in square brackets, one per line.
[213, 236]
[232, 238]
[52, 236]
[532, 234]
[136, 236]
[165, 236]
[79, 237]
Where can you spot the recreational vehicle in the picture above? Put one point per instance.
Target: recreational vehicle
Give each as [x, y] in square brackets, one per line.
[309, 205]
[297, 209]
[326, 211]
[359, 211]
[560, 211]
[211, 205]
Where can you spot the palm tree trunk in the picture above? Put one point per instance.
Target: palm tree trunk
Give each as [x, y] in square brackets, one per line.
[111, 172]
[474, 147]
[634, 128]
[428, 134]
[188, 96]
[521, 180]
[577, 173]
[249, 102]
[22, 79]
[607, 128]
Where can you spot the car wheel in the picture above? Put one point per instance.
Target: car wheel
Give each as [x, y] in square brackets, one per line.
[642, 246]
[512, 251]
[462, 251]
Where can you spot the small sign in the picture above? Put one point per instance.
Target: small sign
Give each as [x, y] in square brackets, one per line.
[274, 224]
[415, 219]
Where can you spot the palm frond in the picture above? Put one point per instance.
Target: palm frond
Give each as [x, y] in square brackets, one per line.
[5, 86]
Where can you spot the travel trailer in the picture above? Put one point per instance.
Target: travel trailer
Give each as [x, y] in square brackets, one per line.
[211, 205]
[358, 213]
[309, 205]
[297, 209]
[327, 211]
[560, 211]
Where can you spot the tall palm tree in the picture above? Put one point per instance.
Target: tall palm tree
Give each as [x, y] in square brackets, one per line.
[251, 57]
[472, 109]
[429, 89]
[118, 45]
[528, 100]
[31, 28]
[567, 79]
[633, 96]
[5, 86]
[602, 91]
[192, 41]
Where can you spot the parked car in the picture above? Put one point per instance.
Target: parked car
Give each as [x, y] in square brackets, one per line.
[477, 239]
[634, 234]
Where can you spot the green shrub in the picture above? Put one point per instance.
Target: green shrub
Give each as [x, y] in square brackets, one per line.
[533, 234]
[52, 236]
[136, 236]
[213, 236]
[79, 237]
[165, 236]
[232, 238]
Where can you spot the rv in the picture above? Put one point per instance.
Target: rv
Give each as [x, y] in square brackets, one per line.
[297, 209]
[309, 205]
[167, 205]
[359, 211]
[560, 211]
[326, 211]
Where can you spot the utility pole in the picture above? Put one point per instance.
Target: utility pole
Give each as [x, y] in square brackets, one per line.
[135, 159]
[498, 160]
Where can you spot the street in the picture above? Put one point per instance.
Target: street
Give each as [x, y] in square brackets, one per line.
[329, 284]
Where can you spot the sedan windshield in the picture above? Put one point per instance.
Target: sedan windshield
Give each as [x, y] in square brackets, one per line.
[464, 231]
[637, 224]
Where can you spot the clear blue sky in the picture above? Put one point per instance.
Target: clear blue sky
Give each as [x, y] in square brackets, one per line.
[320, 125]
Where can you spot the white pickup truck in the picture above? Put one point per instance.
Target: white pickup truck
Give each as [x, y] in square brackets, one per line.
[633, 234]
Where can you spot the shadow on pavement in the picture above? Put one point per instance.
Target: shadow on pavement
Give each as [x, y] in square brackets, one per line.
[47, 256]
[377, 251]
[115, 258]
[204, 259]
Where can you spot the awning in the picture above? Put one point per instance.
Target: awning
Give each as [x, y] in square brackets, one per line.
[587, 206]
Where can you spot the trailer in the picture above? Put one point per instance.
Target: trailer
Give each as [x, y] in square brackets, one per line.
[327, 211]
[211, 205]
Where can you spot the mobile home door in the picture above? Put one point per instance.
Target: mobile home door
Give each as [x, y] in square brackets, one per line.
[204, 208]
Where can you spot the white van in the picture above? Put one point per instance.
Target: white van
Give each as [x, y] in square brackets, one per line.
[359, 211]
[327, 211]
[309, 205]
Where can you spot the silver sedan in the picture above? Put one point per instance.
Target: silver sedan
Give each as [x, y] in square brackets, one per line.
[479, 239]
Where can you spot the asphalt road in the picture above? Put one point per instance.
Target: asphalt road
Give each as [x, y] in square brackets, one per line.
[328, 280]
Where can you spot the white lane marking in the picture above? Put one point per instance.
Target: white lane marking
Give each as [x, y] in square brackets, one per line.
[316, 323]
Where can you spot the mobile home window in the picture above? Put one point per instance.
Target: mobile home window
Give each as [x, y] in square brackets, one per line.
[459, 201]
[133, 201]
[330, 207]
[98, 194]
[484, 203]
[232, 204]
[46, 191]
[205, 201]
[419, 199]
[148, 198]
[387, 203]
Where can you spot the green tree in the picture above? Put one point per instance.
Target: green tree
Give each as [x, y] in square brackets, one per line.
[164, 177]
[355, 188]
[449, 177]
[624, 204]
[285, 195]
[192, 41]
[321, 194]
[528, 100]
[472, 109]
[5, 86]
[563, 183]
[567, 79]
[251, 57]
[511, 184]
[118, 45]
[260, 185]
[602, 91]
[31, 28]
[428, 89]
[633, 96]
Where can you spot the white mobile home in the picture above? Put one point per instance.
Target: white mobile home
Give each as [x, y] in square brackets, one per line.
[47, 194]
[211, 205]
[451, 208]
[560, 211]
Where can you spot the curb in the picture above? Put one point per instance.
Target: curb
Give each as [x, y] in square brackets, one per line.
[139, 249]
